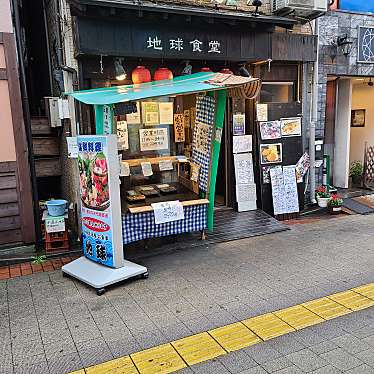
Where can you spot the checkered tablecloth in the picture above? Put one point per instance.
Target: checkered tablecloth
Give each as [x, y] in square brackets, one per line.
[141, 226]
[205, 113]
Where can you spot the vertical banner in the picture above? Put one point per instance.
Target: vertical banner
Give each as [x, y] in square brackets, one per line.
[100, 197]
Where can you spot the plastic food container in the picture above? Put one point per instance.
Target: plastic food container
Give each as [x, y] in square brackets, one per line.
[56, 207]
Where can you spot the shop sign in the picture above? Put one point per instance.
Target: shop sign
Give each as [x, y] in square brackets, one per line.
[107, 119]
[179, 136]
[154, 139]
[365, 53]
[55, 224]
[100, 198]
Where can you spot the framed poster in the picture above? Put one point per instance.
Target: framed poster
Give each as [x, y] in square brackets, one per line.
[270, 153]
[358, 117]
[270, 130]
[100, 197]
[291, 126]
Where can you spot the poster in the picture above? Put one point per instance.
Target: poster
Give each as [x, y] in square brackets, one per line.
[270, 130]
[271, 153]
[124, 169]
[100, 197]
[134, 118]
[246, 197]
[243, 168]
[165, 165]
[201, 137]
[123, 135]
[238, 124]
[146, 169]
[179, 136]
[291, 126]
[168, 211]
[277, 190]
[72, 144]
[262, 112]
[290, 189]
[242, 143]
[166, 113]
[150, 113]
[302, 167]
[154, 139]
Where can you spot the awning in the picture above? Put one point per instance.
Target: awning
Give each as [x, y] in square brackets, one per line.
[187, 84]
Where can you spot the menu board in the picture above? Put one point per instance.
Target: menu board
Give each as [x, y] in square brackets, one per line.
[201, 137]
[243, 168]
[284, 190]
[154, 139]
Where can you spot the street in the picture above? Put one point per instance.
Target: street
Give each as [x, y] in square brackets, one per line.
[52, 324]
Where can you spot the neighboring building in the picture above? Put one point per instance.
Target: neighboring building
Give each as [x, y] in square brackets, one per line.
[16, 199]
[346, 73]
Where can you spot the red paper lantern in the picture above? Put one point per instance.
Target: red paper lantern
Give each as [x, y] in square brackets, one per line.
[226, 71]
[206, 69]
[141, 75]
[162, 74]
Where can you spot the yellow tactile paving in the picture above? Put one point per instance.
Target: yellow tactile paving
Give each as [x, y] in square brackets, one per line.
[326, 308]
[160, 359]
[235, 336]
[198, 348]
[298, 317]
[122, 365]
[268, 326]
[367, 290]
[78, 372]
[352, 300]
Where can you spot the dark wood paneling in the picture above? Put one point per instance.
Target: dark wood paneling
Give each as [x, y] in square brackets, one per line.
[8, 196]
[8, 181]
[48, 167]
[9, 210]
[40, 126]
[8, 167]
[9, 223]
[46, 146]
[11, 236]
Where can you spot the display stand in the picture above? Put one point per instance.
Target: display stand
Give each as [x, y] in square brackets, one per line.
[100, 276]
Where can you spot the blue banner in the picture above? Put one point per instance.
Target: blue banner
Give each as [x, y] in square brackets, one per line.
[357, 5]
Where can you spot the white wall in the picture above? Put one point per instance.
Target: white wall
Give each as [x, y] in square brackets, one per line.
[362, 98]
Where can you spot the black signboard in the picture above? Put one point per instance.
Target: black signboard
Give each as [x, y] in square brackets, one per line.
[365, 52]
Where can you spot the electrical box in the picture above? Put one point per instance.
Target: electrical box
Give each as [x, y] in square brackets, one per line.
[308, 9]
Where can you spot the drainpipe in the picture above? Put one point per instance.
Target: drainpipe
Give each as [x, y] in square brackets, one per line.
[313, 121]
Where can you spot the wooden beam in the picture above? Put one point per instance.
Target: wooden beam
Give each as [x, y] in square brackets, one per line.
[3, 74]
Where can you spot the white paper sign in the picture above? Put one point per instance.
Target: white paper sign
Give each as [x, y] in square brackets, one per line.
[262, 112]
[55, 224]
[166, 113]
[125, 169]
[290, 189]
[147, 169]
[154, 139]
[277, 187]
[243, 168]
[134, 118]
[241, 144]
[123, 135]
[168, 211]
[246, 192]
[72, 143]
[107, 119]
[165, 165]
[63, 108]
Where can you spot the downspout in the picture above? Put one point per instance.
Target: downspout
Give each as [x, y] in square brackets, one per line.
[313, 120]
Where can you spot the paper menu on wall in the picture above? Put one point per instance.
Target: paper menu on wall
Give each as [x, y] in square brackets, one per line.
[123, 135]
[165, 165]
[124, 169]
[243, 168]
[147, 169]
[242, 143]
[168, 211]
[150, 113]
[246, 197]
[262, 112]
[134, 118]
[277, 190]
[290, 189]
[166, 113]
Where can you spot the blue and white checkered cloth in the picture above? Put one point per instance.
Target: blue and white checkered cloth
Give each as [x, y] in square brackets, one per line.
[142, 225]
[205, 113]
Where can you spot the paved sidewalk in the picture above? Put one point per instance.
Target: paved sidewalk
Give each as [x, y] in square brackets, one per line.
[53, 324]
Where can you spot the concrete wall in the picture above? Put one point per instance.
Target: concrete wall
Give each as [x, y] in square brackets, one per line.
[362, 98]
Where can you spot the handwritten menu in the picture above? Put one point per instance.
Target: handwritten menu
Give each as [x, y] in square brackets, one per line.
[123, 135]
[201, 137]
[165, 165]
[168, 211]
[246, 197]
[262, 112]
[284, 190]
[179, 136]
[154, 139]
[243, 168]
[147, 169]
[166, 113]
[241, 144]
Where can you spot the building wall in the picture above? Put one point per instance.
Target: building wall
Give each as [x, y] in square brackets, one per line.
[5, 17]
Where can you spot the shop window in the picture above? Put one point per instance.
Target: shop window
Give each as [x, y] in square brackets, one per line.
[277, 92]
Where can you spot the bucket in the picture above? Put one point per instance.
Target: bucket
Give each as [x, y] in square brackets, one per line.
[56, 207]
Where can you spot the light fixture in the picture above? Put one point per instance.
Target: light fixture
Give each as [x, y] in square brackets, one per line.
[257, 4]
[343, 44]
[120, 71]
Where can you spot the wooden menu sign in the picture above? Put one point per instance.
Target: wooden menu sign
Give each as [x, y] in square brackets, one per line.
[179, 136]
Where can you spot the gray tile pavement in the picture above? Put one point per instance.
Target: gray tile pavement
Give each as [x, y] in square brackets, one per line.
[51, 324]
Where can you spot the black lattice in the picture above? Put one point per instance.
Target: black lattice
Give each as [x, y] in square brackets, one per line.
[369, 165]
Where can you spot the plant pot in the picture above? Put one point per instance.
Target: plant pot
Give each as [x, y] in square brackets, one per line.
[322, 201]
[356, 180]
[335, 209]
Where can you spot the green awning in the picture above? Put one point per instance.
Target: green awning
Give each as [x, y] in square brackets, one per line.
[182, 85]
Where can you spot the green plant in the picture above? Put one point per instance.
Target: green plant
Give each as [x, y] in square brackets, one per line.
[38, 260]
[356, 169]
[322, 192]
[335, 201]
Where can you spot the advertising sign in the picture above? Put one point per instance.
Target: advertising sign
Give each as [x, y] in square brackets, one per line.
[100, 198]
[357, 5]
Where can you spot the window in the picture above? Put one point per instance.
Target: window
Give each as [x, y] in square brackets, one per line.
[277, 92]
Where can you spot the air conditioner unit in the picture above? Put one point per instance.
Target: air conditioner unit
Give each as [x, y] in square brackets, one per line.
[308, 9]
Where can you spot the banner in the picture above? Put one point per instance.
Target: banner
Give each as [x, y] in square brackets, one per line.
[100, 198]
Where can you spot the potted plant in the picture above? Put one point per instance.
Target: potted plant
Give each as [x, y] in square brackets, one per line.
[335, 204]
[356, 171]
[322, 196]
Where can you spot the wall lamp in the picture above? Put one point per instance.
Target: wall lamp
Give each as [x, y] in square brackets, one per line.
[343, 44]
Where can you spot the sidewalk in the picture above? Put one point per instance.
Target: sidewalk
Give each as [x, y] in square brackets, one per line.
[53, 324]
